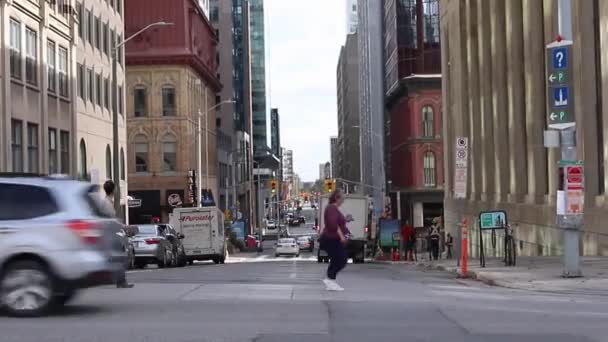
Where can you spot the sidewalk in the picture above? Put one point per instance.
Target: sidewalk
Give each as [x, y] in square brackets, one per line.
[535, 274]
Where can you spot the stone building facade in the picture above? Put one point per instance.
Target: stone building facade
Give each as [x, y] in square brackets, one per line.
[493, 61]
[169, 90]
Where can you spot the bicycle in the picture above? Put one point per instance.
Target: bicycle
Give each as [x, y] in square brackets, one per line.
[510, 247]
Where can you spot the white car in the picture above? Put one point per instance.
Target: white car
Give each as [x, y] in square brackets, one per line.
[287, 246]
[270, 225]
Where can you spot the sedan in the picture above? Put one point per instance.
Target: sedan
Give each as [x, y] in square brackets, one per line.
[151, 247]
[287, 246]
[306, 243]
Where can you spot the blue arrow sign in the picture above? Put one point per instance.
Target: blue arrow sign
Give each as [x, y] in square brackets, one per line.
[560, 96]
[560, 58]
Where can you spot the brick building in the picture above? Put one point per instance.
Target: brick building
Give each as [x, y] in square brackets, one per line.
[171, 81]
[414, 152]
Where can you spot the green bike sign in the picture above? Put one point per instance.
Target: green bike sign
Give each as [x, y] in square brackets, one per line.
[493, 220]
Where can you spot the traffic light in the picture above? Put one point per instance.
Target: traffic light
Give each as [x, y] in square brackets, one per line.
[330, 185]
[273, 186]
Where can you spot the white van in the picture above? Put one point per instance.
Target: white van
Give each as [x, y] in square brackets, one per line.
[203, 229]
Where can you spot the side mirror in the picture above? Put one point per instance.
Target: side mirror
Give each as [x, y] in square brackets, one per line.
[181, 236]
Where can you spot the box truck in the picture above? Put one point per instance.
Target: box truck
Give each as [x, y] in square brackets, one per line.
[203, 229]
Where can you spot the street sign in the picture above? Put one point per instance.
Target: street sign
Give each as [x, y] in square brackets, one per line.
[560, 99]
[492, 220]
[134, 203]
[574, 177]
[575, 202]
[461, 167]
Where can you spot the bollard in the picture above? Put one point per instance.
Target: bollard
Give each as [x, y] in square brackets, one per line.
[464, 247]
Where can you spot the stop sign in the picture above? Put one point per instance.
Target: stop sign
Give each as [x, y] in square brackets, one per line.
[574, 177]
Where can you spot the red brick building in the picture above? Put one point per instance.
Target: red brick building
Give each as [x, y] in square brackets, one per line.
[414, 152]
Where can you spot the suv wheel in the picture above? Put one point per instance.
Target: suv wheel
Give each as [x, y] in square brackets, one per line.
[26, 289]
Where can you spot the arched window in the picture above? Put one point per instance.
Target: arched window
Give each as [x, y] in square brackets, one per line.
[427, 121]
[169, 103]
[122, 164]
[108, 162]
[169, 153]
[429, 169]
[141, 153]
[83, 159]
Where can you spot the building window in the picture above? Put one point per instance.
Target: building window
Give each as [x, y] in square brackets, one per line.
[119, 6]
[406, 24]
[108, 162]
[17, 145]
[64, 140]
[112, 43]
[83, 160]
[140, 102]
[119, 55]
[32, 148]
[51, 66]
[141, 153]
[120, 100]
[31, 56]
[15, 49]
[98, 33]
[105, 42]
[169, 153]
[106, 91]
[98, 89]
[53, 151]
[63, 72]
[122, 164]
[431, 21]
[80, 81]
[80, 20]
[91, 85]
[427, 122]
[429, 170]
[168, 94]
[91, 32]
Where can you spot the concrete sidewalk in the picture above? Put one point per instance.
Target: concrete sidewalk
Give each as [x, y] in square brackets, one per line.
[535, 274]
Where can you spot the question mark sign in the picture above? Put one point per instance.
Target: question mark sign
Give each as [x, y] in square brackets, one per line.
[560, 58]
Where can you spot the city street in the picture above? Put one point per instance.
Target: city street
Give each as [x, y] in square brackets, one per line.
[284, 300]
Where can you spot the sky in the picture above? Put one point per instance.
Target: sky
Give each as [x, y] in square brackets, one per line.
[303, 40]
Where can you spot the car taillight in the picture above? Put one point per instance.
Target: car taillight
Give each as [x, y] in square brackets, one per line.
[152, 241]
[86, 231]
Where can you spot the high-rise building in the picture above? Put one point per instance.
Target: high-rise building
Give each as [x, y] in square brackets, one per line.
[37, 121]
[275, 132]
[494, 93]
[171, 92]
[412, 78]
[287, 156]
[325, 170]
[101, 28]
[333, 143]
[371, 103]
[258, 75]
[349, 139]
[233, 127]
[351, 16]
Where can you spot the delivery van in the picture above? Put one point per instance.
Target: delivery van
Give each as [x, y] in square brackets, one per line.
[203, 229]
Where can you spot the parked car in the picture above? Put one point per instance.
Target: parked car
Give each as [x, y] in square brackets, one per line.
[306, 243]
[55, 239]
[176, 239]
[287, 246]
[128, 233]
[152, 247]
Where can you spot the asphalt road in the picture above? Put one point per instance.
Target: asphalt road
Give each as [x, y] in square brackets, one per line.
[265, 299]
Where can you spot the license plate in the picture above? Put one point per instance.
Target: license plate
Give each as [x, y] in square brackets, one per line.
[196, 252]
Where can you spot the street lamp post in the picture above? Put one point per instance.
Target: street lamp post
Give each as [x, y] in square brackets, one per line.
[115, 143]
[199, 147]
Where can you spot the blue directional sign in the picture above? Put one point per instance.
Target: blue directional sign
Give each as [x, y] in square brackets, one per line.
[560, 58]
[560, 97]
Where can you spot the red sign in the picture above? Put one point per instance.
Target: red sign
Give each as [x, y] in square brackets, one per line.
[574, 177]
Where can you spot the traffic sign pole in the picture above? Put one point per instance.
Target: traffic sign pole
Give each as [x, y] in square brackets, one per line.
[560, 115]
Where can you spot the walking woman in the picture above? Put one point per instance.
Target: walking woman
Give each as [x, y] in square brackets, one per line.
[333, 240]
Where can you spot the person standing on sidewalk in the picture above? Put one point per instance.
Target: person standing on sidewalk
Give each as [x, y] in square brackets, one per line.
[408, 238]
[333, 240]
[449, 242]
[108, 187]
[434, 238]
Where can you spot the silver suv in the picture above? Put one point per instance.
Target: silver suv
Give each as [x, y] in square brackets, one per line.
[54, 240]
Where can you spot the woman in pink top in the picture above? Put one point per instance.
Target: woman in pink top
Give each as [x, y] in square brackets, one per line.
[333, 240]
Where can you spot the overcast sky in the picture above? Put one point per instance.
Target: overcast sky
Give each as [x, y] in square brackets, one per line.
[303, 40]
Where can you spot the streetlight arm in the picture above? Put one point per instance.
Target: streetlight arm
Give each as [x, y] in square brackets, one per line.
[160, 23]
[218, 105]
